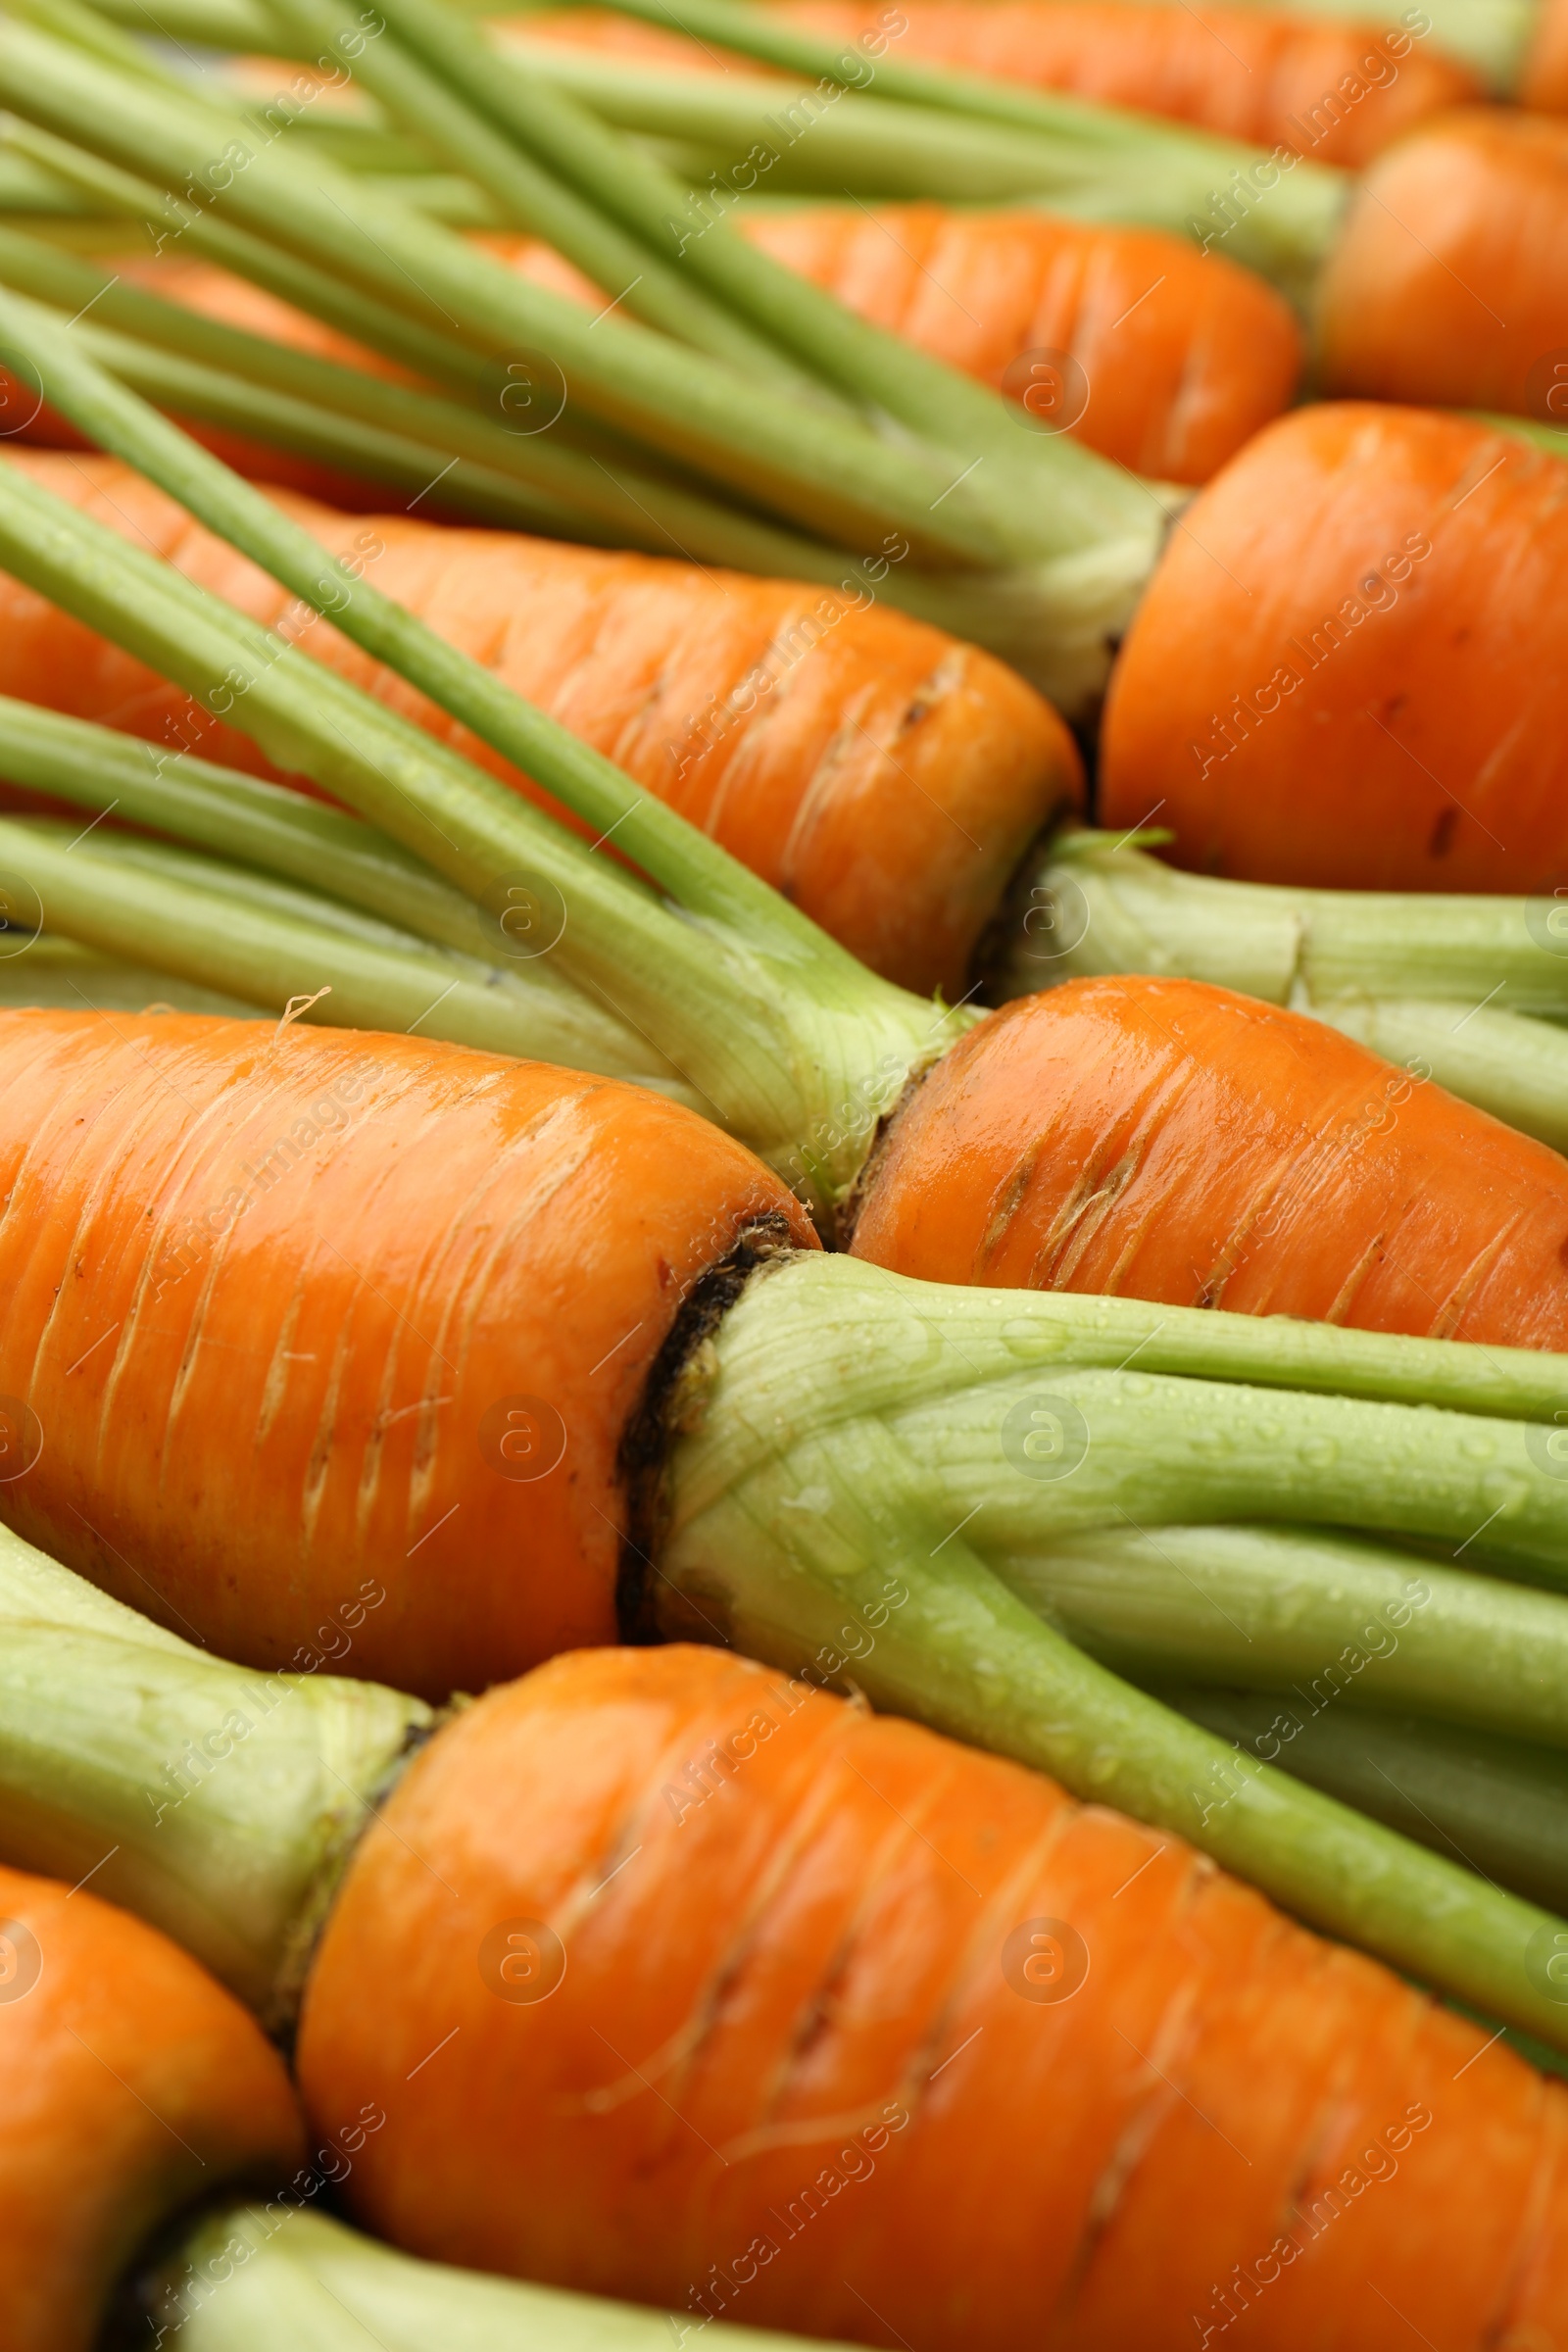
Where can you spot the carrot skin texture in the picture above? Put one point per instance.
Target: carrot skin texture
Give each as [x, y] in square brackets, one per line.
[1312, 699]
[1183, 356]
[274, 1300]
[131, 2083]
[1270, 78]
[1544, 83]
[880, 774]
[843, 2024]
[1168, 1140]
[1450, 282]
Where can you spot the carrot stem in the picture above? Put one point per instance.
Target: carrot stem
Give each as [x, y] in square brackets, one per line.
[242, 819]
[401, 434]
[1497, 1806]
[855, 1476]
[228, 1797]
[840, 476]
[1330, 1616]
[1290, 219]
[269, 943]
[533, 197]
[248, 2279]
[170, 223]
[1086, 498]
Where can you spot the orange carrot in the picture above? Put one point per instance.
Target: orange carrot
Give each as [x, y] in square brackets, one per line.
[131, 2083]
[1348, 668]
[940, 2067]
[1336, 91]
[1173, 358]
[1544, 83]
[1167, 1140]
[1451, 281]
[274, 1401]
[1162, 358]
[880, 774]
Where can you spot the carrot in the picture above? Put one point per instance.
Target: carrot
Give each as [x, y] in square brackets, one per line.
[1338, 92]
[1543, 81]
[396, 1352]
[1173, 361]
[818, 2104]
[884, 776]
[277, 1236]
[1450, 283]
[132, 2084]
[1172, 1140]
[1319, 688]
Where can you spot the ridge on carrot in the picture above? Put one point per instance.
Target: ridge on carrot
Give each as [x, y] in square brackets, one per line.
[835, 1831]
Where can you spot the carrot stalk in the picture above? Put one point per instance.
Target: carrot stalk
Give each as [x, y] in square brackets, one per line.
[242, 819]
[533, 197]
[1289, 227]
[1330, 1616]
[828, 1476]
[857, 1433]
[839, 476]
[1085, 500]
[167, 218]
[271, 944]
[1494, 1804]
[249, 2277]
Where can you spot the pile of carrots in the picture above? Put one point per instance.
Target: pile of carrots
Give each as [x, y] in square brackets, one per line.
[783, 1218]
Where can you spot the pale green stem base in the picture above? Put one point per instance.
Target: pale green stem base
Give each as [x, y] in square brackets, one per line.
[1449, 986]
[67, 977]
[858, 1450]
[1329, 1617]
[253, 2279]
[213, 1801]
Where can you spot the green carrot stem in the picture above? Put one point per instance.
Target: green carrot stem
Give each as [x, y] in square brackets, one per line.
[1086, 498]
[66, 976]
[1499, 1807]
[1333, 1618]
[209, 395]
[798, 1050]
[838, 476]
[228, 1797]
[214, 24]
[1292, 207]
[244, 820]
[855, 1454]
[1099, 903]
[248, 2279]
[630, 273]
[269, 944]
[174, 226]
